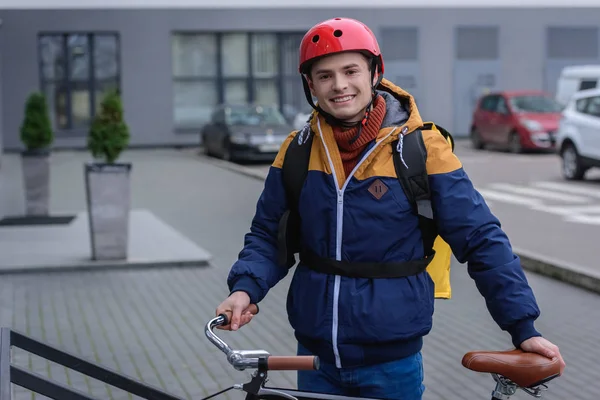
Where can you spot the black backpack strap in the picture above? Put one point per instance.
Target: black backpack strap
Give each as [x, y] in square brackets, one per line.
[294, 171]
[412, 174]
[295, 165]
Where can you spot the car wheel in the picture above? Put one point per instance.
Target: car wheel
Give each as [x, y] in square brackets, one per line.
[476, 139]
[514, 143]
[571, 164]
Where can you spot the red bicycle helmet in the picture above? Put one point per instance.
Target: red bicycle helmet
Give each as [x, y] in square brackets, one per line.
[337, 35]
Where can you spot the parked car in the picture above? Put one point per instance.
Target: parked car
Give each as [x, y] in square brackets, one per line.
[515, 120]
[575, 78]
[578, 137]
[245, 132]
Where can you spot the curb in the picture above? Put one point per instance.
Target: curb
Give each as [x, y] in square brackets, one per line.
[105, 266]
[244, 171]
[560, 270]
[556, 269]
[240, 169]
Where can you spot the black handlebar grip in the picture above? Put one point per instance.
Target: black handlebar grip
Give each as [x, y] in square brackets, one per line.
[253, 308]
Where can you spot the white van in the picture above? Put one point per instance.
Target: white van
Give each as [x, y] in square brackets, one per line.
[575, 78]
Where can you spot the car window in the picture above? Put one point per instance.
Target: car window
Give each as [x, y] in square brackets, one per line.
[255, 115]
[593, 106]
[534, 104]
[488, 103]
[588, 84]
[501, 106]
[581, 104]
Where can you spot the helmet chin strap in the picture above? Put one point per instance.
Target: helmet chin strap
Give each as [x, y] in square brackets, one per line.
[333, 121]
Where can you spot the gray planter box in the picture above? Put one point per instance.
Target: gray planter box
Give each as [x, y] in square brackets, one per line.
[35, 165]
[108, 204]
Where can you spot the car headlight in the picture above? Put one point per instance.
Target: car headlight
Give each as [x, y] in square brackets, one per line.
[531, 125]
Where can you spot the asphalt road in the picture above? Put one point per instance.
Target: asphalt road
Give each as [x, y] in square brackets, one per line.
[148, 323]
[541, 212]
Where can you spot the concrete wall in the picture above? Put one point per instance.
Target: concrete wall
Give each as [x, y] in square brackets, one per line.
[146, 54]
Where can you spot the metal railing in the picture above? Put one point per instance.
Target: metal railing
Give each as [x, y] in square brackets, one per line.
[12, 374]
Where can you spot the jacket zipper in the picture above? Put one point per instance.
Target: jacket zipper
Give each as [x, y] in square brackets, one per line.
[338, 235]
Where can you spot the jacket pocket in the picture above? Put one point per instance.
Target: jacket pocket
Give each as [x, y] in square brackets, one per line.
[309, 304]
[387, 310]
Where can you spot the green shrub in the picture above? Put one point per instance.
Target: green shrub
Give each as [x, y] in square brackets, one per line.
[36, 129]
[109, 134]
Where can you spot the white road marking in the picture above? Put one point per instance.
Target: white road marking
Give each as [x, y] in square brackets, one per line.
[539, 193]
[509, 198]
[583, 219]
[577, 208]
[566, 209]
[570, 188]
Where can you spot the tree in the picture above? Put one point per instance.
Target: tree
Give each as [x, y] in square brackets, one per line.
[36, 129]
[109, 134]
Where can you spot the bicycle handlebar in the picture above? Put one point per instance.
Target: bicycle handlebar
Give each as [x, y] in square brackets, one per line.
[242, 359]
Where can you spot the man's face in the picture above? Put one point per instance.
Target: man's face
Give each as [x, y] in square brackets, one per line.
[342, 85]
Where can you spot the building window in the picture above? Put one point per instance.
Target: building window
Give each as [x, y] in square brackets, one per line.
[195, 69]
[76, 70]
[233, 68]
[294, 99]
[236, 70]
[264, 51]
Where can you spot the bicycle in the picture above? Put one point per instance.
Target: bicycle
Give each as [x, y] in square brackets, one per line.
[511, 370]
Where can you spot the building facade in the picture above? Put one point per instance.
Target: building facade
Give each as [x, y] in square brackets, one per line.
[172, 66]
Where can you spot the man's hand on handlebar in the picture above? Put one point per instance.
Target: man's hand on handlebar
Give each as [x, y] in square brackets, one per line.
[238, 310]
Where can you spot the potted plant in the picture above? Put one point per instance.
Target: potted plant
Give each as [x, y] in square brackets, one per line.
[37, 136]
[108, 182]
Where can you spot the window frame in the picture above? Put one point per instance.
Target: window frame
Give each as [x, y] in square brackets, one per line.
[68, 84]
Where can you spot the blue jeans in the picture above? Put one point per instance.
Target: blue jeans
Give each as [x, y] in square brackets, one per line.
[395, 380]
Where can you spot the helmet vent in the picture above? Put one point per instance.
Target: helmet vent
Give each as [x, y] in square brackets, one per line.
[315, 38]
[337, 33]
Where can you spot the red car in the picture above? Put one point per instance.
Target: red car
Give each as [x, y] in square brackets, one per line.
[516, 120]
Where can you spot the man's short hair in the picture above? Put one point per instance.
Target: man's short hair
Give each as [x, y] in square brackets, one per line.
[368, 58]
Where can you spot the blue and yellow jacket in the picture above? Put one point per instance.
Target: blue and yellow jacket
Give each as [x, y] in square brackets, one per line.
[357, 321]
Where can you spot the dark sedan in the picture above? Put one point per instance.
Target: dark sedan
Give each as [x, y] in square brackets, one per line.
[245, 132]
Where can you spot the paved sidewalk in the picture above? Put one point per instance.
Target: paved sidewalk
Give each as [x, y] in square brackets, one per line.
[149, 323]
[152, 243]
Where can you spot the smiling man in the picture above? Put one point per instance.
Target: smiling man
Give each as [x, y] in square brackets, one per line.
[356, 220]
[346, 99]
